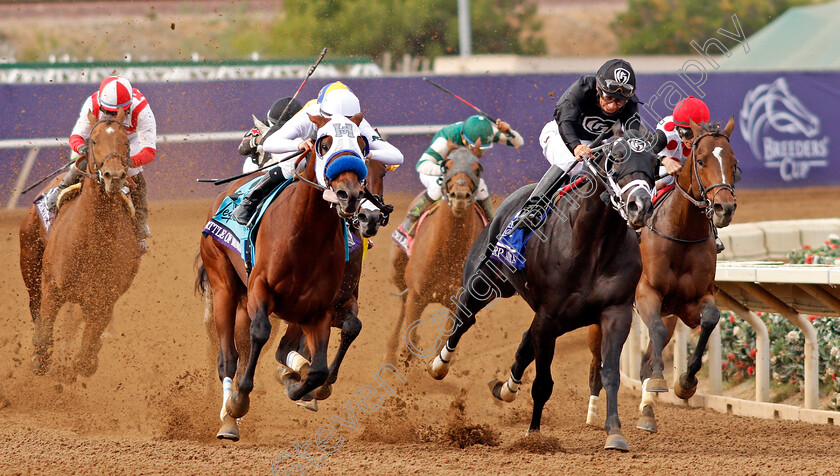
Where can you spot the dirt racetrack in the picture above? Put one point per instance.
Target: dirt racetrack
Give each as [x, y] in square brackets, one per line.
[153, 405]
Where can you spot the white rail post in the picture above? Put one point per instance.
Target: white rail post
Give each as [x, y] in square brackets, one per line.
[22, 176]
[762, 344]
[713, 363]
[680, 349]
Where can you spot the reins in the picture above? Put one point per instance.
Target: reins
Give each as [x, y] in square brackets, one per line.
[94, 173]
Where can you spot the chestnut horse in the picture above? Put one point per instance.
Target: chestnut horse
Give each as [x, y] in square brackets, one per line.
[581, 268]
[432, 272]
[679, 256]
[298, 269]
[346, 310]
[91, 255]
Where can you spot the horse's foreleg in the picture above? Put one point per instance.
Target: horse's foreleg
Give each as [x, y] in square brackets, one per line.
[647, 418]
[595, 384]
[350, 329]
[317, 334]
[649, 305]
[709, 317]
[507, 391]
[615, 327]
[394, 340]
[42, 340]
[260, 330]
[96, 320]
[543, 340]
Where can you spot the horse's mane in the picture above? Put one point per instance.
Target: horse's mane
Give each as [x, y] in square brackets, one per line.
[712, 127]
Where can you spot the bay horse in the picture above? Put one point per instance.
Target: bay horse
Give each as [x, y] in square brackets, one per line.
[91, 255]
[298, 269]
[679, 258]
[581, 268]
[440, 247]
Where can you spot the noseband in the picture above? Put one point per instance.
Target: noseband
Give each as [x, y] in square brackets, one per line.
[450, 174]
[704, 202]
[94, 172]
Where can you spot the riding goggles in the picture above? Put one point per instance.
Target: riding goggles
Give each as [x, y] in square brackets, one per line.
[607, 98]
[685, 133]
[614, 87]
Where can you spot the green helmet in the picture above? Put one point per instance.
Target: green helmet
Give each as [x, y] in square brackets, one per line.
[478, 127]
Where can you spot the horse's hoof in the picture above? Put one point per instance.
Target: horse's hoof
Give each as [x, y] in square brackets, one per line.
[87, 369]
[229, 429]
[323, 392]
[616, 441]
[311, 405]
[656, 385]
[286, 376]
[684, 388]
[501, 391]
[237, 405]
[647, 423]
[438, 368]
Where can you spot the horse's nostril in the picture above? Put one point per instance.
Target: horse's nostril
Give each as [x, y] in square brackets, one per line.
[342, 195]
[632, 207]
[107, 175]
[718, 208]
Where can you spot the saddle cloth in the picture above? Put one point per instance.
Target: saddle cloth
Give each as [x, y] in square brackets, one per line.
[240, 238]
[406, 239]
[510, 247]
[661, 193]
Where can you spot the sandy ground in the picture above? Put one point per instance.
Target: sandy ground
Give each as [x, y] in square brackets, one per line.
[153, 405]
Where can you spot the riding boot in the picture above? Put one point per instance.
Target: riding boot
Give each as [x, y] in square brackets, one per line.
[69, 179]
[246, 208]
[487, 206]
[416, 212]
[141, 212]
[719, 245]
[537, 204]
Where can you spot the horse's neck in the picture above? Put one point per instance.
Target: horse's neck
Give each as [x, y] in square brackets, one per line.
[595, 218]
[680, 212]
[456, 230]
[99, 205]
[310, 199]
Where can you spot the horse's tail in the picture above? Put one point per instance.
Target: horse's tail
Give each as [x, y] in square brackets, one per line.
[202, 283]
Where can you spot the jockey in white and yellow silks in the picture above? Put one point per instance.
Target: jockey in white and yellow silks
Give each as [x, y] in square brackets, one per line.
[298, 133]
[477, 134]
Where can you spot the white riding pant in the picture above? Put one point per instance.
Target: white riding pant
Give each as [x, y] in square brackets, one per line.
[435, 190]
[556, 151]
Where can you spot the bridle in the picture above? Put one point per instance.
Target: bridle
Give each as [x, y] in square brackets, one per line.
[450, 174]
[705, 204]
[614, 191]
[94, 172]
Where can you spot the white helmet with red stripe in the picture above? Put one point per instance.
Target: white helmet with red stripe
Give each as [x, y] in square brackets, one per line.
[115, 93]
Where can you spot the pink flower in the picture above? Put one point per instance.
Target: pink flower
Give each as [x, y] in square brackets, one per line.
[732, 319]
[752, 354]
[723, 365]
[813, 318]
[731, 357]
[806, 247]
[809, 259]
[751, 370]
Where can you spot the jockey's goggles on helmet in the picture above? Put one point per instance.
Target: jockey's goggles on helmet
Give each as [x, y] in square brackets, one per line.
[614, 87]
[484, 146]
[685, 133]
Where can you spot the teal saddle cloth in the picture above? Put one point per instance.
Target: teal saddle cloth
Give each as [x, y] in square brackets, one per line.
[240, 238]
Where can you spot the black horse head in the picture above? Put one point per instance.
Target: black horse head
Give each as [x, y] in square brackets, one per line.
[630, 166]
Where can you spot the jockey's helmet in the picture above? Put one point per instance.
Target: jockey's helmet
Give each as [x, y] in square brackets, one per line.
[115, 93]
[273, 115]
[478, 127]
[691, 109]
[617, 79]
[339, 101]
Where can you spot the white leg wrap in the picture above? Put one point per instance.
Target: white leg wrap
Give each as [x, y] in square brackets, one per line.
[227, 391]
[446, 355]
[592, 411]
[296, 361]
[510, 390]
[647, 397]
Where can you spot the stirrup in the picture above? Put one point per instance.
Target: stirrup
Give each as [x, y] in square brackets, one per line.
[719, 245]
[533, 213]
[242, 213]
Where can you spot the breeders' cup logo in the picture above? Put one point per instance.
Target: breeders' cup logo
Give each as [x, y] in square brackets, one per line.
[621, 75]
[596, 125]
[771, 108]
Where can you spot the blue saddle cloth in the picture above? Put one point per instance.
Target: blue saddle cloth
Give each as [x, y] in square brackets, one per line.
[240, 238]
[510, 247]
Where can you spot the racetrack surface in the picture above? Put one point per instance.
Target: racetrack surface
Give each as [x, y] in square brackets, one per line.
[153, 405]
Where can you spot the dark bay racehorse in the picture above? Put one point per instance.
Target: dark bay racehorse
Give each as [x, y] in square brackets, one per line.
[679, 256]
[582, 267]
[432, 272]
[91, 255]
[298, 270]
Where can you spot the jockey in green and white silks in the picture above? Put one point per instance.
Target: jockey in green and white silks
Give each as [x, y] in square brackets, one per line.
[477, 134]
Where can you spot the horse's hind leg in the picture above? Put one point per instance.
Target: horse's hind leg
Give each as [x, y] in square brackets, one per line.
[647, 418]
[615, 326]
[260, 330]
[709, 317]
[544, 340]
[479, 290]
[31, 261]
[229, 316]
[394, 340]
[595, 384]
[507, 391]
[42, 340]
[291, 354]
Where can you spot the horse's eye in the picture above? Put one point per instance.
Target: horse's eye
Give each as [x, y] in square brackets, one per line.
[700, 162]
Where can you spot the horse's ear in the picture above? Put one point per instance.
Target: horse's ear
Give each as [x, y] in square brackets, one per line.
[319, 121]
[120, 116]
[92, 118]
[617, 131]
[695, 128]
[357, 118]
[730, 126]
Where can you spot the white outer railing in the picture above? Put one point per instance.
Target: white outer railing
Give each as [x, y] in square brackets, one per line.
[790, 290]
[34, 145]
